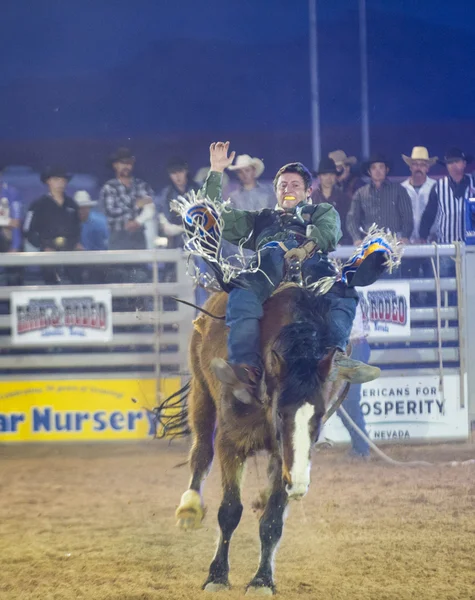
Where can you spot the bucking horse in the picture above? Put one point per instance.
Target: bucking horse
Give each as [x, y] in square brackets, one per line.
[285, 421]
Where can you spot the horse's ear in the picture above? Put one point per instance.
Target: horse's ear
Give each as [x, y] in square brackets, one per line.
[326, 364]
[276, 363]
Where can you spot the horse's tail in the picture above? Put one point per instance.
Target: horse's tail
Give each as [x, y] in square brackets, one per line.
[171, 415]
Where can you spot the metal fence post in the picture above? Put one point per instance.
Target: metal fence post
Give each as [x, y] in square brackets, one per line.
[469, 326]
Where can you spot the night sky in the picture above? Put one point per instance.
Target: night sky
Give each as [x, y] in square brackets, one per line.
[114, 69]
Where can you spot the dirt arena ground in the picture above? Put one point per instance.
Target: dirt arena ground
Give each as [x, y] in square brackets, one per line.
[96, 522]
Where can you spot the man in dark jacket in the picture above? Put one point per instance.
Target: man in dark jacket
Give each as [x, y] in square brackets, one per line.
[180, 184]
[327, 191]
[52, 223]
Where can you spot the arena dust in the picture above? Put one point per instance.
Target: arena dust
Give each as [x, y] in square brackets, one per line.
[97, 521]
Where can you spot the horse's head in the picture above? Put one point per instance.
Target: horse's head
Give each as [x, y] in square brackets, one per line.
[298, 365]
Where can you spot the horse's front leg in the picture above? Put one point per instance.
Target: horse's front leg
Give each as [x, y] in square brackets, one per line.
[270, 531]
[229, 514]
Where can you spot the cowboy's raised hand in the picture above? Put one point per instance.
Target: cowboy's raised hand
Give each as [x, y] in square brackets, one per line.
[218, 156]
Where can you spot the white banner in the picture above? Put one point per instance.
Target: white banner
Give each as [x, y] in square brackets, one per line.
[66, 317]
[386, 309]
[404, 408]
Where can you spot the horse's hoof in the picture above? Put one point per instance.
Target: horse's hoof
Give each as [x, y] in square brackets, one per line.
[259, 591]
[216, 587]
[191, 511]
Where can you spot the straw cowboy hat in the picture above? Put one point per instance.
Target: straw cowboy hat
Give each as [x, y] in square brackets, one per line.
[420, 153]
[82, 198]
[339, 158]
[244, 160]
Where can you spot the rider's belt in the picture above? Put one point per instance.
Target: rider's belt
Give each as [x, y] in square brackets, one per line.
[275, 244]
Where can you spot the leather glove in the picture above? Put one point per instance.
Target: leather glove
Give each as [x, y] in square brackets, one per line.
[302, 252]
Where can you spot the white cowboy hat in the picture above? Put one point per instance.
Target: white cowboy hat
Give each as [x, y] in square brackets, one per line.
[419, 153]
[339, 158]
[244, 160]
[202, 174]
[82, 198]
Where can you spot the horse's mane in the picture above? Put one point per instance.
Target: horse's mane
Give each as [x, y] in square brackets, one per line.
[302, 344]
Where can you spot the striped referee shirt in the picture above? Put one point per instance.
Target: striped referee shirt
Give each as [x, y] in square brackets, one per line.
[446, 207]
[388, 206]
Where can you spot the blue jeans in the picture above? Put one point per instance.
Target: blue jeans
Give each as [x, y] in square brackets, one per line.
[244, 309]
[352, 405]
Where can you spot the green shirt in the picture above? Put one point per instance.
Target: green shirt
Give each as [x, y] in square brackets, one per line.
[324, 227]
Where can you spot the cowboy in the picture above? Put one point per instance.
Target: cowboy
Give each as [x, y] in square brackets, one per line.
[180, 184]
[251, 195]
[327, 191]
[123, 199]
[52, 223]
[347, 181]
[295, 229]
[381, 202]
[418, 185]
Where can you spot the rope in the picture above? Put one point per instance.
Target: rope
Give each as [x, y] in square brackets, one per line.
[392, 461]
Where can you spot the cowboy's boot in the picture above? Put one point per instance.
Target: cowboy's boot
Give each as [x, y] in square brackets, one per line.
[353, 371]
[244, 379]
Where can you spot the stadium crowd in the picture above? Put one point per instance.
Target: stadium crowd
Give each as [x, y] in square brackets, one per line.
[129, 214]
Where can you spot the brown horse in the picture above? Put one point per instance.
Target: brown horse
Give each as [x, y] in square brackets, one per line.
[285, 422]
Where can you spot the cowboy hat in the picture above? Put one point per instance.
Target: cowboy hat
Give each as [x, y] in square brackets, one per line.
[83, 199]
[121, 155]
[419, 153]
[454, 154]
[327, 165]
[375, 158]
[55, 171]
[339, 158]
[177, 164]
[202, 174]
[244, 160]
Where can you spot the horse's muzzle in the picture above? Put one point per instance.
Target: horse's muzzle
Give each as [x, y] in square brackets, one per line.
[296, 491]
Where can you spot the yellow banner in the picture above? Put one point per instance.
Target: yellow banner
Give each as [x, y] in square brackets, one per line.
[103, 409]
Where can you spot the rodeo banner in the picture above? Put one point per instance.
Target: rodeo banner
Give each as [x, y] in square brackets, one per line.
[409, 408]
[386, 309]
[81, 410]
[58, 316]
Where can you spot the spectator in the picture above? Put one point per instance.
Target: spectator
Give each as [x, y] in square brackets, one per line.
[347, 180]
[381, 202]
[52, 223]
[123, 199]
[202, 174]
[94, 232]
[418, 186]
[10, 232]
[94, 235]
[326, 191]
[352, 403]
[180, 184]
[446, 207]
[251, 195]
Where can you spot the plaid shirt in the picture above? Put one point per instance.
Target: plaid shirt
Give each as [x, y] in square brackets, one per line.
[119, 202]
[389, 207]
